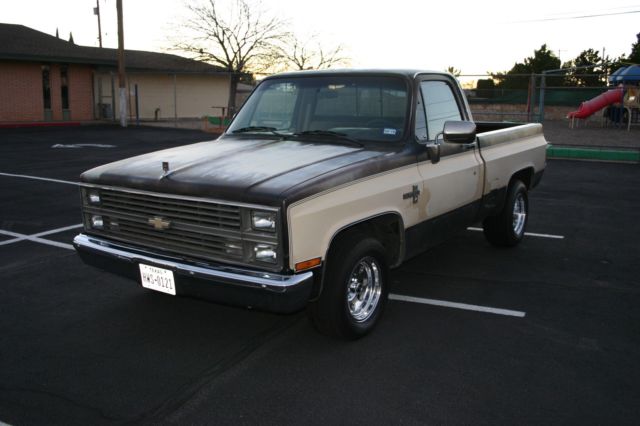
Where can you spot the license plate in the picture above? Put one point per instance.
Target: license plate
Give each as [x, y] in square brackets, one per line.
[157, 279]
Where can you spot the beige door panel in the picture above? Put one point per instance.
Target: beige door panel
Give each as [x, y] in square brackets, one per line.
[453, 182]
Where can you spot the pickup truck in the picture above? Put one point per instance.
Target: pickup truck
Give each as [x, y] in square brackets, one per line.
[323, 181]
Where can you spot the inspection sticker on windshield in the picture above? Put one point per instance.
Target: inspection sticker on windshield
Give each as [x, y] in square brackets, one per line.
[390, 131]
[157, 279]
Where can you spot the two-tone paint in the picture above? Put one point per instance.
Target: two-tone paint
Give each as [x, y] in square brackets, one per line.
[456, 186]
[324, 188]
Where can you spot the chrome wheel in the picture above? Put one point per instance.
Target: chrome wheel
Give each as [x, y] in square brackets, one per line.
[519, 214]
[364, 289]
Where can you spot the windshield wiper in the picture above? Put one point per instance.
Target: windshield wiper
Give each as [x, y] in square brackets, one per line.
[258, 129]
[329, 133]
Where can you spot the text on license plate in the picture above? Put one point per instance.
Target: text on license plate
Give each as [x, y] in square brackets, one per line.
[157, 279]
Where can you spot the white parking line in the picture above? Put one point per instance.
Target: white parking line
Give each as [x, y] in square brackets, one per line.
[457, 305]
[36, 237]
[530, 234]
[83, 145]
[66, 182]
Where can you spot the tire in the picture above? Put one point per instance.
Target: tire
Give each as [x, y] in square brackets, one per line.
[508, 227]
[355, 289]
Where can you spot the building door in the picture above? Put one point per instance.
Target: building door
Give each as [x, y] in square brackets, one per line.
[64, 92]
[46, 92]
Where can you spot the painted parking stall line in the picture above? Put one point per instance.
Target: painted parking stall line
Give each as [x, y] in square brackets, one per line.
[456, 305]
[82, 145]
[13, 175]
[530, 234]
[36, 238]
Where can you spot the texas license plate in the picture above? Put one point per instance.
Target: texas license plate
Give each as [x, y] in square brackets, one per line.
[157, 279]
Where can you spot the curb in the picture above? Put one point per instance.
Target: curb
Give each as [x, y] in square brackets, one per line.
[594, 154]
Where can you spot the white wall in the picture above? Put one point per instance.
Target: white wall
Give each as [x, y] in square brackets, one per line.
[196, 94]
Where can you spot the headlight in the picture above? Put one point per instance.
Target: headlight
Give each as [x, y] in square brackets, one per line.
[97, 222]
[265, 253]
[263, 221]
[94, 198]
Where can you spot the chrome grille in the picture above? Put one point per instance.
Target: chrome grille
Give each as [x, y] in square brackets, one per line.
[182, 211]
[196, 229]
[176, 239]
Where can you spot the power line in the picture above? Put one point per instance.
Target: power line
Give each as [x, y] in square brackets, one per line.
[578, 17]
[594, 11]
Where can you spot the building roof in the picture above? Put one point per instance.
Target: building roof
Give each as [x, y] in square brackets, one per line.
[21, 43]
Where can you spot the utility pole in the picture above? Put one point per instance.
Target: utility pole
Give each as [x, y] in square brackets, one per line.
[560, 55]
[605, 66]
[96, 11]
[122, 84]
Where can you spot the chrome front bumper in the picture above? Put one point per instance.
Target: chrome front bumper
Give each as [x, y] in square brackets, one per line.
[219, 283]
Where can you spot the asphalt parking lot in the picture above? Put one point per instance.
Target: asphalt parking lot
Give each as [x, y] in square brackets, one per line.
[548, 332]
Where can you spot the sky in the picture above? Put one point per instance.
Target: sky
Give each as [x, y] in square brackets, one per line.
[472, 36]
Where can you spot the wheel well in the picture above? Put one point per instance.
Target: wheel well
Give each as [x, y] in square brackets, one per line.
[524, 175]
[387, 228]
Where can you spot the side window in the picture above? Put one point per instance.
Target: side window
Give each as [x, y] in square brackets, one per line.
[440, 105]
[421, 122]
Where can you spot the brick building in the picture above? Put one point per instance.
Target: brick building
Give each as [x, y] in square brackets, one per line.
[44, 78]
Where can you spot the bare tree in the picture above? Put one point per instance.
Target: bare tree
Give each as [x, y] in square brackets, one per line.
[309, 54]
[241, 40]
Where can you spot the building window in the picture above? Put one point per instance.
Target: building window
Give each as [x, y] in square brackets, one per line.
[64, 86]
[46, 86]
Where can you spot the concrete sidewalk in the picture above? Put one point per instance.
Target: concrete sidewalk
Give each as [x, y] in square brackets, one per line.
[592, 135]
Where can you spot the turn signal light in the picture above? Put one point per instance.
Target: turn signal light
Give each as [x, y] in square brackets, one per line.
[308, 264]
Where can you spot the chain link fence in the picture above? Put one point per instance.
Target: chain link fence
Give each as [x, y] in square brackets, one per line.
[529, 98]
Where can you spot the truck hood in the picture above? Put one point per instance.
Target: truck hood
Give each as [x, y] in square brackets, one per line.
[234, 169]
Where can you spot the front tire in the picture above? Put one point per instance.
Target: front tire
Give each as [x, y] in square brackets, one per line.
[355, 289]
[507, 228]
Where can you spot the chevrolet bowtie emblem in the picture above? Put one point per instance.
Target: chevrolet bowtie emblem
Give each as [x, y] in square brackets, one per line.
[159, 223]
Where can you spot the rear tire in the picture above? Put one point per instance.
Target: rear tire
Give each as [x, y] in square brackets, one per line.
[355, 289]
[507, 228]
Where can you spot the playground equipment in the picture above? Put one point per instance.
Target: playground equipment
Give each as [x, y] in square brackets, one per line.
[626, 96]
[625, 75]
[588, 108]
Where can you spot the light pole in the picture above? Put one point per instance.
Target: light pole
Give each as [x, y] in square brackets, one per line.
[96, 11]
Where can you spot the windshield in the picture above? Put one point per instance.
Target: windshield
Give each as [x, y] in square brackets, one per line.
[357, 107]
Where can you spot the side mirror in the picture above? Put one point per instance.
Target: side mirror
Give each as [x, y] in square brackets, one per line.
[460, 132]
[434, 152]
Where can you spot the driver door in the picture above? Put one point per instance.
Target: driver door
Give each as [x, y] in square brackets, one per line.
[452, 186]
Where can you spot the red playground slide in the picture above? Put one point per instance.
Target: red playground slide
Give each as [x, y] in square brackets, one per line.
[591, 106]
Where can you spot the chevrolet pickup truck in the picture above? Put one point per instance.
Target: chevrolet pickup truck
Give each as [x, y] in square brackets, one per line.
[322, 182]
